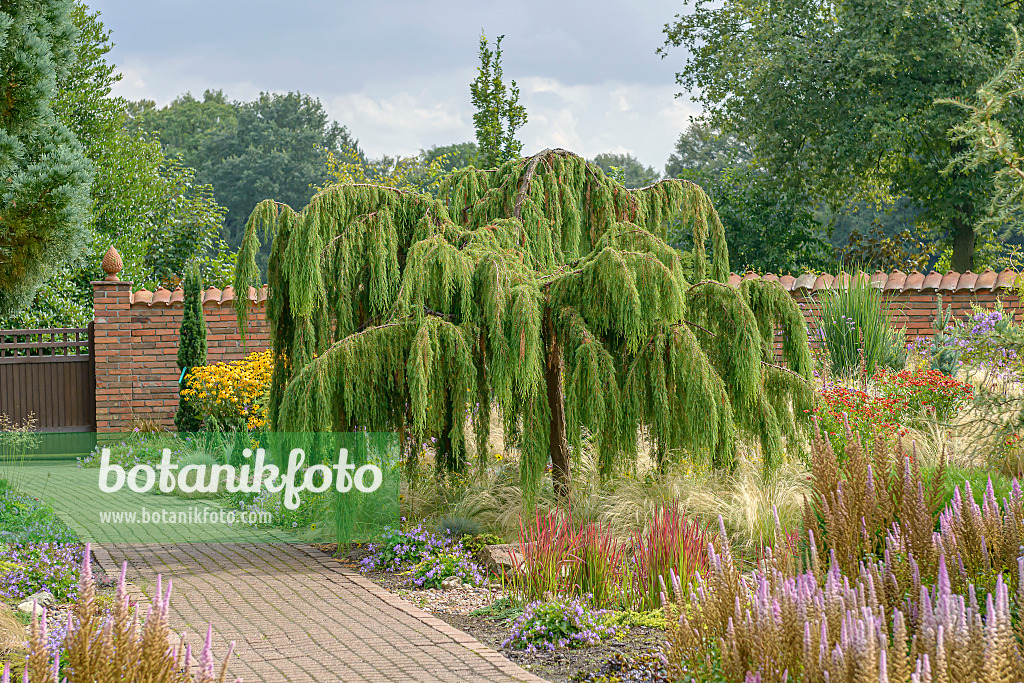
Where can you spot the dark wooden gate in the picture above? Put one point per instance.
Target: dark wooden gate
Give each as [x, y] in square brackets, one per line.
[49, 375]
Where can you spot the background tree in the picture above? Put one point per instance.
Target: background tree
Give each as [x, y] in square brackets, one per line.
[634, 174]
[768, 229]
[274, 146]
[498, 112]
[542, 287]
[454, 156]
[406, 173]
[839, 97]
[191, 347]
[44, 175]
[988, 140]
[148, 206]
[705, 149]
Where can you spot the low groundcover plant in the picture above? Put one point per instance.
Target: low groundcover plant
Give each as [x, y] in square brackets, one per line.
[432, 571]
[399, 550]
[558, 623]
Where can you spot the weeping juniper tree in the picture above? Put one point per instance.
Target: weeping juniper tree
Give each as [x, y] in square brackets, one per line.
[543, 287]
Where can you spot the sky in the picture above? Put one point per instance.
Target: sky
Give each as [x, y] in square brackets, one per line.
[397, 72]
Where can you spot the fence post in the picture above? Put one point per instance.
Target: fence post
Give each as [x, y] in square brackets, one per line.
[112, 343]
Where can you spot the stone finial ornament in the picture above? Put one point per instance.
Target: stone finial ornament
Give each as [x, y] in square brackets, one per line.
[112, 265]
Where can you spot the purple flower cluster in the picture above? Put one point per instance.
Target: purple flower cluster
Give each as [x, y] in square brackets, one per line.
[31, 567]
[399, 550]
[430, 572]
[985, 321]
[982, 340]
[559, 623]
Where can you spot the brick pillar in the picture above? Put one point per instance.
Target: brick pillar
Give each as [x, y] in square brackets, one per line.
[112, 343]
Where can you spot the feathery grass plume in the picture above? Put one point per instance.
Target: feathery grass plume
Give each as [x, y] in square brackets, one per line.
[116, 648]
[542, 288]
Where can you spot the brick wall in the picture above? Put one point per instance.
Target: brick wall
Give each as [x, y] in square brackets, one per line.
[910, 298]
[136, 343]
[136, 336]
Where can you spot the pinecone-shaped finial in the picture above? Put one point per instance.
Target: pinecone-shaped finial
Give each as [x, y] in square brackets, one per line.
[112, 265]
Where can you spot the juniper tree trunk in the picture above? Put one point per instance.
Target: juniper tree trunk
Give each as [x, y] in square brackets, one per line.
[559, 443]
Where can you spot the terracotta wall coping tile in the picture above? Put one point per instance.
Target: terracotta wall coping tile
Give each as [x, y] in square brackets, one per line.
[949, 282]
[986, 280]
[932, 280]
[805, 281]
[895, 281]
[914, 281]
[967, 280]
[1006, 279]
[211, 295]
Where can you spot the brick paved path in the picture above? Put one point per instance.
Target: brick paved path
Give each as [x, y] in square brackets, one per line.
[294, 613]
[297, 615]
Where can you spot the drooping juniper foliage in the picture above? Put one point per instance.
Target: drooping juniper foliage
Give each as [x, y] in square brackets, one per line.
[542, 286]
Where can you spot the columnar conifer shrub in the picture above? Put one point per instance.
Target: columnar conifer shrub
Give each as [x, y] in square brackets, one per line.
[541, 286]
[191, 348]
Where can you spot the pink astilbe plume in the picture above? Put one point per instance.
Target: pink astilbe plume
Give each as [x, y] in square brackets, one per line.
[115, 649]
[885, 622]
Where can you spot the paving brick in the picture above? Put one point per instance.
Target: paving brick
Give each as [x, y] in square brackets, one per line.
[296, 615]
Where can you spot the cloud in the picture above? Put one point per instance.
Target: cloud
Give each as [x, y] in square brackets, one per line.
[397, 72]
[640, 119]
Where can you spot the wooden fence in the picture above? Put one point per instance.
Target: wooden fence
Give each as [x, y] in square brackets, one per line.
[49, 375]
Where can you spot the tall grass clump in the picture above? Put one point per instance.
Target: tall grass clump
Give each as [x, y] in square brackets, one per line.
[670, 546]
[548, 557]
[857, 330]
[601, 558]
